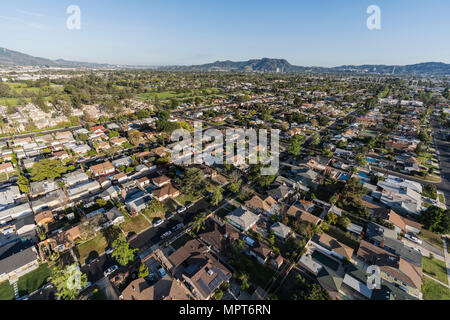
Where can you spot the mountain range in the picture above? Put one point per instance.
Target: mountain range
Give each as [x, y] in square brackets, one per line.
[12, 58]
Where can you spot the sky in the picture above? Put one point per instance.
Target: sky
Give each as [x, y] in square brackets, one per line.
[185, 32]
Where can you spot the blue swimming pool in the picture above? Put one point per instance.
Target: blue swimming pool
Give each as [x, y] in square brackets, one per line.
[363, 175]
[344, 177]
[371, 160]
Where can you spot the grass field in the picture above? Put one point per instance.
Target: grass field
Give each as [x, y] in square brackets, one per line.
[6, 291]
[432, 238]
[435, 268]
[33, 280]
[97, 244]
[434, 291]
[136, 225]
[184, 198]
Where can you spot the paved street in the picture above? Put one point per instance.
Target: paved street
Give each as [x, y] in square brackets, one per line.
[444, 161]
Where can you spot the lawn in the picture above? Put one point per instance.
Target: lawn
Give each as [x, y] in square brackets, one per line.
[136, 225]
[97, 244]
[435, 268]
[6, 291]
[184, 198]
[170, 205]
[434, 291]
[258, 274]
[33, 280]
[181, 241]
[432, 238]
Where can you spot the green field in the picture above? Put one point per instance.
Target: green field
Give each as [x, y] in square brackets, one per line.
[435, 268]
[6, 291]
[97, 244]
[33, 280]
[434, 291]
[136, 225]
[432, 238]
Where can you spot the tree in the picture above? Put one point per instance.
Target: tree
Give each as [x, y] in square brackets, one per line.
[23, 183]
[344, 222]
[235, 186]
[68, 282]
[295, 145]
[113, 134]
[430, 191]
[199, 222]
[332, 218]
[47, 169]
[217, 196]
[101, 202]
[143, 271]
[436, 219]
[192, 181]
[315, 139]
[123, 253]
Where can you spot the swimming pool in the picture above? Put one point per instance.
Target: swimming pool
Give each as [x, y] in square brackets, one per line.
[344, 177]
[362, 175]
[371, 160]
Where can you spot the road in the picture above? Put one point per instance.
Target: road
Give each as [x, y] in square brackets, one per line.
[444, 160]
[152, 236]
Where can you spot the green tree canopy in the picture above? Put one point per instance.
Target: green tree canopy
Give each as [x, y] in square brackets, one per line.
[122, 252]
[47, 169]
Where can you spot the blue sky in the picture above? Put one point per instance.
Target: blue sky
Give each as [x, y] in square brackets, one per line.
[163, 32]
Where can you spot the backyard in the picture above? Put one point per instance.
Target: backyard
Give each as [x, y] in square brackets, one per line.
[435, 268]
[6, 291]
[434, 291]
[136, 225]
[432, 238]
[97, 244]
[33, 280]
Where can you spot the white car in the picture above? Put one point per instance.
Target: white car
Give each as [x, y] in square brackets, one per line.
[109, 251]
[181, 210]
[167, 234]
[158, 223]
[413, 238]
[110, 270]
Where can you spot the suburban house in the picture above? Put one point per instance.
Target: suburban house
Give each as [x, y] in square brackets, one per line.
[43, 218]
[280, 193]
[219, 236]
[161, 181]
[393, 268]
[199, 269]
[331, 246]
[63, 240]
[268, 206]
[303, 215]
[166, 288]
[261, 252]
[40, 188]
[167, 191]
[281, 231]
[242, 219]
[102, 169]
[6, 167]
[17, 259]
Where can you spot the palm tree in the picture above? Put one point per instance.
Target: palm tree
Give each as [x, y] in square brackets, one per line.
[199, 222]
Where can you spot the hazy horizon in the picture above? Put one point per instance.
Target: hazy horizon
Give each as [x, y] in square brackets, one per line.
[176, 32]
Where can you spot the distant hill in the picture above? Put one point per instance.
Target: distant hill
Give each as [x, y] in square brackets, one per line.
[281, 65]
[11, 58]
[14, 58]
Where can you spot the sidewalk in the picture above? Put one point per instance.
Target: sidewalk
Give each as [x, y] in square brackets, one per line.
[447, 258]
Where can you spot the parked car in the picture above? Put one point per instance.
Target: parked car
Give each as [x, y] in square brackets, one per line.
[170, 215]
[413, 238]
[178, 227]
[158, 223]
[110, 270]
[181, 210]
[162, 272]
[167, 234]
[109, 251]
